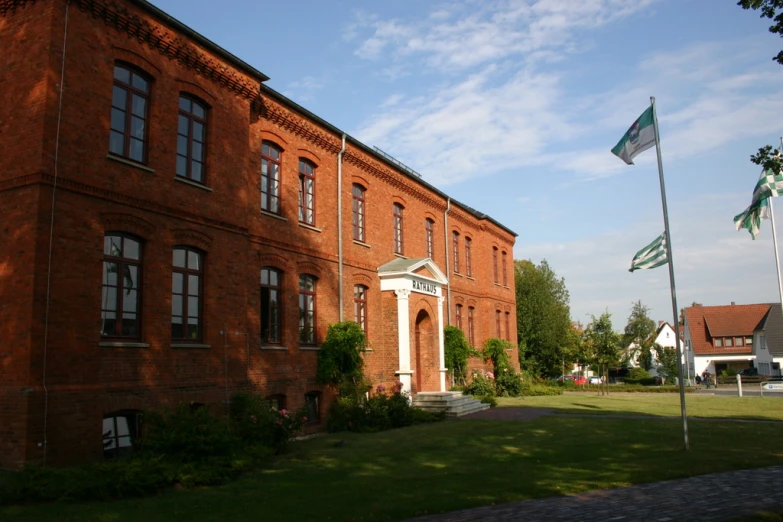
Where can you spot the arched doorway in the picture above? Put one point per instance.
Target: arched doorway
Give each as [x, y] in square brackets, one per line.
[425, 346]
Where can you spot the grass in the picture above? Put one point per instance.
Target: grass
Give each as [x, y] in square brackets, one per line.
[664, 405]
[457, 464]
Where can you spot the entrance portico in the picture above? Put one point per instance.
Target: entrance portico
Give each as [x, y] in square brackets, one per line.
[417, 284]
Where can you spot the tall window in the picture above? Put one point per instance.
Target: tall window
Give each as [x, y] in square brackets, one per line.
[468, 262]
[508, 326]
[499, 333]
[130, 94]
[455, 248]
[398, 243]
[360, 306]
[270, 177]
[270, 305]
[471, 336]
[306, 192]
[459, 316]
[505, 273]
[120, 430]
[358, 212]
[313, 405]
[121, 293]
[307, 309]
[191, 136]
[429, 227]
[495, 264]
[186, 281]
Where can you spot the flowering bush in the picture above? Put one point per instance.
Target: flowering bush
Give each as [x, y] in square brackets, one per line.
[257, 422]
[376, 412]
[482, 383]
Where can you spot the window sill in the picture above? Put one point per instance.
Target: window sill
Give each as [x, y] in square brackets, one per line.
[310, 348]
[497, 284]
[310, 227]
[506, 287]
[400, 256]
[122, 344]
[471, 278]
[130, 163]
[191, 345]
[457, 274]
[361, 243]
[273, 215]
[273, 347]
[196, 184]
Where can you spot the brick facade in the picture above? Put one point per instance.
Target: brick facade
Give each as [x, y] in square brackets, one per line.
[61, 192]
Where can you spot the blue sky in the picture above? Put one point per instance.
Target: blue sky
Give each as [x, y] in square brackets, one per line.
[512, 106]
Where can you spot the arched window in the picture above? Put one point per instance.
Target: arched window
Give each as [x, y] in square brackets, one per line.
[360, 306]
[270, 177]
[120, 431]
[508, 326]
[271, 291]
[495, 264]
[129, 109]
[187, 277]
[358, 212]
[191, 138]
[313, 404]
[306, 192]
[430, 227]
[459, 316]
[498, 314]
[307, 309]
[471, 333]
[455, 248]
[398, 240]
[505, 273]
[121, 293]
[468, 256]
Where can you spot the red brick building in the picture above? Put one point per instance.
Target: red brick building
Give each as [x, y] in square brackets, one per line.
[173, 231]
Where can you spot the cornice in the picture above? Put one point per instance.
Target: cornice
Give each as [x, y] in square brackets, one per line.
[273, 112]
[11, 6]
[168, 44]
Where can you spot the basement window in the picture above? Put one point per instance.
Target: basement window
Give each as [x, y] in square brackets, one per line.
[120, 431]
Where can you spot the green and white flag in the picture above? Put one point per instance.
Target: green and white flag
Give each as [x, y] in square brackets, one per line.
[769, 185]
[653, 255]
[640, 137]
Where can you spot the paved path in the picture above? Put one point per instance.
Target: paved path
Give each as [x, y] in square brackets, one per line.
[714, 497]
[718, 496]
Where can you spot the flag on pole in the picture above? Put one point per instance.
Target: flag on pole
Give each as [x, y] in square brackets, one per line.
[653, 255]
[769, 185]
[640, 137]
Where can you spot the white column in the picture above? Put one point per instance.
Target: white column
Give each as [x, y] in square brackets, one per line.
[441, 351]
[404, 338]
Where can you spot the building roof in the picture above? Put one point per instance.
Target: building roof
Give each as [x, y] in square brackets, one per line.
[706, 322]
[773, 330]
[263, 88]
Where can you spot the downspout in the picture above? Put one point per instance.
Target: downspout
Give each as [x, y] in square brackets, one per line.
[448, 266]
[45, 441]
[340, 227]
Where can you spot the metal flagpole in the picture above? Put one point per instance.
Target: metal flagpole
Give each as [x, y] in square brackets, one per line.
[671, 276]
[775, 236]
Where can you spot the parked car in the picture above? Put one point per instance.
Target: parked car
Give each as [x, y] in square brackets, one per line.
[594, 379]
[580, 381]
[566, 378]
[748, 371]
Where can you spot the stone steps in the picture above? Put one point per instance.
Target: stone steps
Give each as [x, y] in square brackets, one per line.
[454, 404]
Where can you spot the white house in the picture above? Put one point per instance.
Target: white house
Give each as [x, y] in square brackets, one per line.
[768, 342]
[666, 338]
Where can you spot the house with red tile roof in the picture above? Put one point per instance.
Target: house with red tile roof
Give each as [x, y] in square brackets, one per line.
[722, 337]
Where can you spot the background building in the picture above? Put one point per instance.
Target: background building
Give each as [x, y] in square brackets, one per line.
[175, 231]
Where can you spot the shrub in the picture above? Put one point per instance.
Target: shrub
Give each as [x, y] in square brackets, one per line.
[489, 399]
[340, 361]
[457, 350]
[380, 411]
[255, 421]
[481, 384]
[540, 389]
[508, 383]
[495, 351]
[728, 372]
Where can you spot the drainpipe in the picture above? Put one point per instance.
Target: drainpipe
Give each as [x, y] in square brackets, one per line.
[340, 226]
[448, 266]
[45, 441]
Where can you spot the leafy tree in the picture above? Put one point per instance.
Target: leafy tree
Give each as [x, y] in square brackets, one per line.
[667, 357]
[340, 361]
[456, 351]
[639, 335]
[543, 317]
[767, 156]
[577, 351]
[603, 340]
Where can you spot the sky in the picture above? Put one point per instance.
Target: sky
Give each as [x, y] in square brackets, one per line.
[512, 107]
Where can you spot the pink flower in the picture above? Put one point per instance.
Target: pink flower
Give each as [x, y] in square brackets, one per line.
[284, 412]
[253, 418]
[380, 389]
[304, 419]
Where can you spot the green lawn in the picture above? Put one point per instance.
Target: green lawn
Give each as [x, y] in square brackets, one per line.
[458, 464]
[758, 408]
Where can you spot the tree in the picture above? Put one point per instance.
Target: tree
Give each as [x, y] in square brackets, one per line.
[667, 357]
[639, 335]
[340, 362]
[457, 350]
[773, 10]
[543, 317]
[604, 340]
